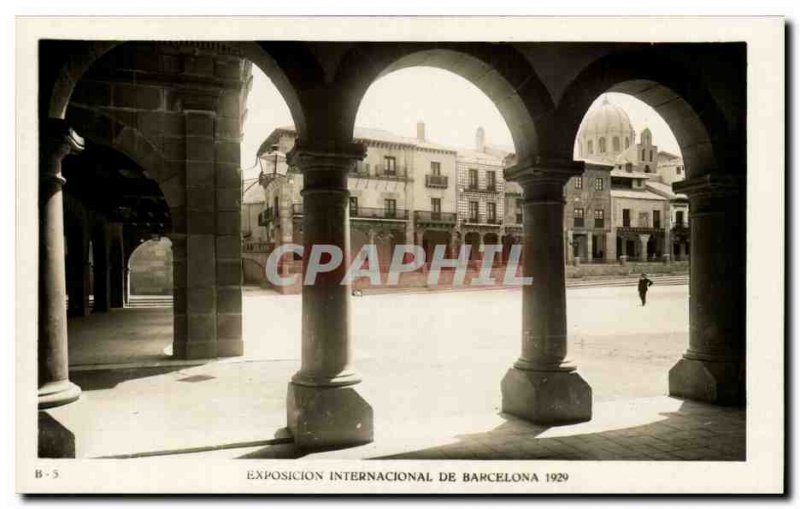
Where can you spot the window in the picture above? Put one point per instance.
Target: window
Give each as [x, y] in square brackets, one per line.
[436, 208]
[473, 212]
[577, 217]
[629, 167]
[436, 168]
[590, 147]
[601, 146]
[615, 144]
[276, 211]
[651, 155]
[678, 169]
[390, 165]
[390, 207]
[490, 181]
[642, 154]
[656, 219]
[626, 217]
[679, 218]
[519, 211]
[353, 206]
[473, 179]
[598, 184]
[599, 218]
[491, 212]
[627, 142]
[647, 168]
[578, 182]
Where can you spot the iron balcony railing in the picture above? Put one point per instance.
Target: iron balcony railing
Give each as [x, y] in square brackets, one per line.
[577, 222]
[257, 246]
[436, 181]
[378, 213]
[435, 217]
[488, 189]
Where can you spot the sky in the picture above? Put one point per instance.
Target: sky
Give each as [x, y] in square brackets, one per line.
[451, 107]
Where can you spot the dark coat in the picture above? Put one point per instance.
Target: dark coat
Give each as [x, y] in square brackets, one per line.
[644, 284]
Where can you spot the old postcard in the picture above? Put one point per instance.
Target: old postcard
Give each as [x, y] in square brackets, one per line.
[400, 255]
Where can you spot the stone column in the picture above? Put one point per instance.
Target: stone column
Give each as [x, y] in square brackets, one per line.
[643, 238]
[666, 255]
[324, 407]
[589, 242]
[541, 386]
[101, 248]
[611, 245]
[569, 249]
[713, 368]
[56, 140]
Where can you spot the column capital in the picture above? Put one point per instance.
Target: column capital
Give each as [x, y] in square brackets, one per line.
[57, 139]
[544, 170]
[339, 157]
[711, 185]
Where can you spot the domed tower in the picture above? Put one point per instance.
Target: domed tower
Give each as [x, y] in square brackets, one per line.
[606, 131]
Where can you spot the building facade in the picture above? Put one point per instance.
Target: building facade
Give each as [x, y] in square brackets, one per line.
[647, 220]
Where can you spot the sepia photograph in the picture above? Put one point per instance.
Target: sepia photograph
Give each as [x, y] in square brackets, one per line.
[364, 255]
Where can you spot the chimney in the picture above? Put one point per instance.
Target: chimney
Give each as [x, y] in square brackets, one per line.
[480, 140]
[420, 130]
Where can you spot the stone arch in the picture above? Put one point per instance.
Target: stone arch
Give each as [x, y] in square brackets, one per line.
[151, 270]
[79, 56]
[679, 94]
[102, 129]
[498, 70]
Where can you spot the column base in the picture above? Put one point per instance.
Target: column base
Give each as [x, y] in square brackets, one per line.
[58, 393]
[719, 383]
[230, 348]
[54, 440]
[547, 397]
[328, 417]
[194, 350]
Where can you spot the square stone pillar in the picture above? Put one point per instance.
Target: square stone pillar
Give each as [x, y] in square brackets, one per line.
[56, 140]
[542, 386]
[589, 243]
[611, 245]
[713, 368]
[324, 406]
[643, 247]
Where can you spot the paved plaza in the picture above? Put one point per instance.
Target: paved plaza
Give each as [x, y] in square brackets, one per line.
[431, 361]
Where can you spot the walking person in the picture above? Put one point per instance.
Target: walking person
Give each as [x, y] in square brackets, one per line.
[644, 285]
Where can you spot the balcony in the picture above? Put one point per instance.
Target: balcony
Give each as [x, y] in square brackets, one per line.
[391, 173]
[494, 221]
[421, 216]
[436, 181]
[474, 188]
[378, 213]
[257, 246]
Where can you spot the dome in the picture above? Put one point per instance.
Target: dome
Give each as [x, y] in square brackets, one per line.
[606, 131]
[607, 119]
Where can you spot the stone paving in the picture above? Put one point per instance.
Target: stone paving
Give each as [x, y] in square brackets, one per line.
[432, 362]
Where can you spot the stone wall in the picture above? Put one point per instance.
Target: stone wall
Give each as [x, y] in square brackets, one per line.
[151, 268]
